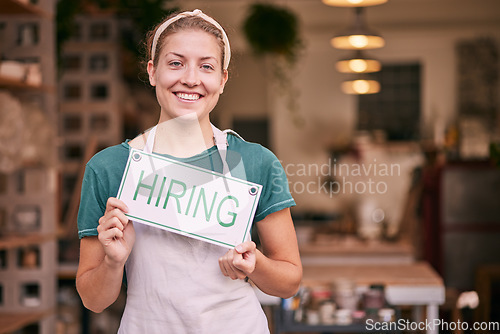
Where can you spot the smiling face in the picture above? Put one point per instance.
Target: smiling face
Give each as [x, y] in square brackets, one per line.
[188, 77]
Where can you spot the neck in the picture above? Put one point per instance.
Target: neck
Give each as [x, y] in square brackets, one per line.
[184, 136]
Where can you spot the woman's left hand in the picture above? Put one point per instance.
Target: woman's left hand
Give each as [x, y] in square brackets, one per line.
[239, 262]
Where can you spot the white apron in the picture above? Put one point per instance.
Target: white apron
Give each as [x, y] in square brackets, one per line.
[174, 283]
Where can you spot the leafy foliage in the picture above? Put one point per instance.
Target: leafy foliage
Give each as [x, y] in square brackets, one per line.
[495, 153]
[272, 29]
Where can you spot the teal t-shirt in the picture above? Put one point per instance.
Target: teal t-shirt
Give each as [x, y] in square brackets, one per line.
[246, 160]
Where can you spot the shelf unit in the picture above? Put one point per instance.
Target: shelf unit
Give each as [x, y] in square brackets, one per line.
[90, 107]
[9, 83]
[10, 322]
[17, 7]
[18, 241]
[28, 195]
[90, 110]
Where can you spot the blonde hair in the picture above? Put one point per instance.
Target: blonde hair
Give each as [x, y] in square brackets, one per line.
[195, 20]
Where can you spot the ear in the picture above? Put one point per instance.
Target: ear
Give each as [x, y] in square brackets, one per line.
[225, 76]
[151, 73]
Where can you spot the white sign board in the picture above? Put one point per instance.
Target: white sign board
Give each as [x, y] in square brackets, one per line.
[188, 200]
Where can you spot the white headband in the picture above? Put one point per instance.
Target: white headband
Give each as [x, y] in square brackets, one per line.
[199, 13]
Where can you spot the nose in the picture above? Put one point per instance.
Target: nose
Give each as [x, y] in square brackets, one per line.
[191, 76]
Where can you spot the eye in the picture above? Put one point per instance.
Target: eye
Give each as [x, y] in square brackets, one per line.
[175, 63]
[207, 67]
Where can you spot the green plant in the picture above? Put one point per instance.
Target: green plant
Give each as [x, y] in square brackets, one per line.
[495, 153]
[273, 32]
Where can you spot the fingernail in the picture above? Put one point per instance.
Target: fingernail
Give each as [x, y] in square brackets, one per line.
[239, 249]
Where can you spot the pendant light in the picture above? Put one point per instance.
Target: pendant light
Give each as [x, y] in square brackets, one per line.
[358, 63]
[360, 86]
[353, 3]
[358, 36]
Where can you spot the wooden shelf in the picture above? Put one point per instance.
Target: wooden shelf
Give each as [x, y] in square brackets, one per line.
[16, 84]
[347, 250]
[16, 315]
[353, 246]
[10, 322]
[15, 241]
[418, 273]
[67, 270]
[18, 7]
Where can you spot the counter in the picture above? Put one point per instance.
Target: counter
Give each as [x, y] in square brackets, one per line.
[414, 284]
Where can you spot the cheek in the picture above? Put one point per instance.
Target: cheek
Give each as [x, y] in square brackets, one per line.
[216, 85]
[165, 80]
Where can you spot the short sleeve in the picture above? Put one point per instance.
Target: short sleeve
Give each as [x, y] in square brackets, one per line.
[275, 194]
[92, 204]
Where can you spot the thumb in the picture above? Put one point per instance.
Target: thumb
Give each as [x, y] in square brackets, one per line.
[247, 246]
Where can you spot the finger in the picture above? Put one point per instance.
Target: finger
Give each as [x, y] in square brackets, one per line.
[109, 219]
[106, 224]
[222, 267]
[234, 271]
[247, 246]
[239, 274]
[241, 266]
[226, 266]
[115, 203]
[118, 213]
[106, 237]
[233, 274]
[238, 261]
[245, 261]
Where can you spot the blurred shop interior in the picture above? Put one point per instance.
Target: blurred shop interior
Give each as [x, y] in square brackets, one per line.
[383, 113]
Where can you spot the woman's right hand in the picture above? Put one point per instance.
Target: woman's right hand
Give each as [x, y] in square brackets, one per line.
[116, 232]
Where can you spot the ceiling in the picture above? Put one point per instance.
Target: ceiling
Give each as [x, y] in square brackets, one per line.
[395, 13]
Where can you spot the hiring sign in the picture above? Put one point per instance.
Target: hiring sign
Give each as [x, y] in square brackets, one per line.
[188, 200]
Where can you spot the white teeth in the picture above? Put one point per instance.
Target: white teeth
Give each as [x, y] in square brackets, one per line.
[185, 96]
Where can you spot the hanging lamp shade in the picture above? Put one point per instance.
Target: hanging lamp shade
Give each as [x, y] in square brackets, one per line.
[361, 86]
[358, 36]
[353, 3]
[358, 63]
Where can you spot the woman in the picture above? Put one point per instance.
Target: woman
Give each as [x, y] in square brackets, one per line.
[176, 284]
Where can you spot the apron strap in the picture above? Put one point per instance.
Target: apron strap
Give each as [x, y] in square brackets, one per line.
[233, 133]
[148, 148]
[220, 138]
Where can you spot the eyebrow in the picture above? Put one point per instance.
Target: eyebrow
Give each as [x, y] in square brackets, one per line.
[182, 56]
